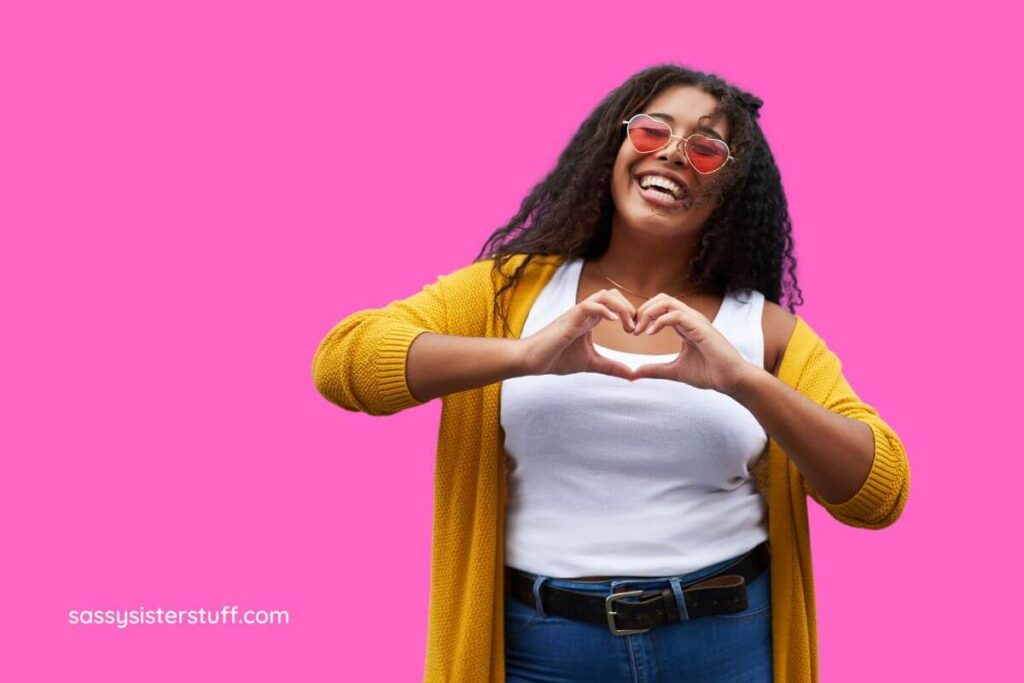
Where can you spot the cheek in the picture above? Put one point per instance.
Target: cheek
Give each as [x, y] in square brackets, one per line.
[621, 176]
[621, 181]
[706, 191]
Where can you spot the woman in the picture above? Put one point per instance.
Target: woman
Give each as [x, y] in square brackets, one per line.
[630, 418]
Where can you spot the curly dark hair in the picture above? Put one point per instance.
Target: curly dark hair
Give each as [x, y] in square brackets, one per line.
[746, 242]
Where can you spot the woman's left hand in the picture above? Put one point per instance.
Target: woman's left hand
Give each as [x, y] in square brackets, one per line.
[707, 359]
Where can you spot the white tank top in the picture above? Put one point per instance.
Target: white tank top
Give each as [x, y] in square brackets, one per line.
[646, 478]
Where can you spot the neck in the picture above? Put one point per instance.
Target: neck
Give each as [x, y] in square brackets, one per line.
[649, 266]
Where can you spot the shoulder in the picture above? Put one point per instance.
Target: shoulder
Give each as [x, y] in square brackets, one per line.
[491, 274]
[511, 262]
[525, 268]
[778, 325]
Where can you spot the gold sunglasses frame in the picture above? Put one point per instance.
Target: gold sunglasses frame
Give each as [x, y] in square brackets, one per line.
[685, 140]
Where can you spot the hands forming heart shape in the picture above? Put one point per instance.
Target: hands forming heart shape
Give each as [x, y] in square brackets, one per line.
[707, 360]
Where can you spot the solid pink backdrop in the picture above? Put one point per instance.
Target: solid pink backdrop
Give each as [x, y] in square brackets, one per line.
[192, 196]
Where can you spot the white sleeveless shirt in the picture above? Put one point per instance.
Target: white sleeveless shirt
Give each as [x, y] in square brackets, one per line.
[610, 477]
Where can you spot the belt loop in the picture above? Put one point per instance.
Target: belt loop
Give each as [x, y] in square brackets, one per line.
[680, 600]
[537, 582]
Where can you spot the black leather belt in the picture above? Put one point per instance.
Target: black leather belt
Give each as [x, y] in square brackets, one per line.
[724, 592]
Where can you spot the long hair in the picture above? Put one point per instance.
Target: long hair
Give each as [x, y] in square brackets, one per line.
[746, 242]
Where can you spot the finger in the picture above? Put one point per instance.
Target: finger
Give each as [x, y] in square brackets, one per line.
[618, 302]
[654, 371]
[652, 310]
[688, 324]
[607, 366]
[604, 365]
[653, 301]
[673, 319]
[664, 320]
[596, 308]
[627, 309]
[587, 315]
[641, 310]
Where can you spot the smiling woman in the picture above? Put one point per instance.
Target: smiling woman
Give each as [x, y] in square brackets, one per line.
[632, 419]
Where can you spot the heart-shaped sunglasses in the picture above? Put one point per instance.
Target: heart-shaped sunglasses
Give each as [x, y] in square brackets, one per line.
[705, 154]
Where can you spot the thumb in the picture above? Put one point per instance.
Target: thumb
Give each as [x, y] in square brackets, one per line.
[653, 371]
[607, 366]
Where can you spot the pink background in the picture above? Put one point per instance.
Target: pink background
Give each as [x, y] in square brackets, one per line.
[188, 204]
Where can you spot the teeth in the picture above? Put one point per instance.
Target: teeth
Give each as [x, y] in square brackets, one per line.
[659, 181]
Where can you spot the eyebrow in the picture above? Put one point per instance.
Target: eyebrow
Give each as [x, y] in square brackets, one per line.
[699, 126]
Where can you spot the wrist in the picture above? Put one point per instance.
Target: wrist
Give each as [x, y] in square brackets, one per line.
[521, 364]
[746, 382]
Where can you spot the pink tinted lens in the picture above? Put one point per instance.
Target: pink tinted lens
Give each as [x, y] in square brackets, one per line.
[706, 154]
[647, 135]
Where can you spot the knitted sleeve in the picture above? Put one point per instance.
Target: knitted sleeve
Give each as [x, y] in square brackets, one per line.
[360, 364]
[881, 498]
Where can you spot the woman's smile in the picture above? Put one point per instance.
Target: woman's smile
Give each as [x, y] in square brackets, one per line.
[660, 198]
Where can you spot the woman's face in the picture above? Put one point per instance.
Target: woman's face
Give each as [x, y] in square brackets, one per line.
[685, 105]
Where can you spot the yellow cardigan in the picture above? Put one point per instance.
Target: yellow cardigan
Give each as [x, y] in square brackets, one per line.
[360, 366]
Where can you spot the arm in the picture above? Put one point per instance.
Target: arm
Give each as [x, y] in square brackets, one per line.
[369, 362]
[833, 452]
[851, 461]
[439, 365]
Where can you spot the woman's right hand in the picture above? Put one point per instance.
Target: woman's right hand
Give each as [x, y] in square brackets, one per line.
[565, 346]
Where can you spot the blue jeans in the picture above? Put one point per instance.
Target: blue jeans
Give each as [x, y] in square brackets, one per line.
[722, 647]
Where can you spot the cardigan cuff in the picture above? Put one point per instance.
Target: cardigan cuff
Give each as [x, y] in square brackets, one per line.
[394, 352]
[877, 496]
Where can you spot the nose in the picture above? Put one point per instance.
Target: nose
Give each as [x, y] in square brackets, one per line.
[676, 151]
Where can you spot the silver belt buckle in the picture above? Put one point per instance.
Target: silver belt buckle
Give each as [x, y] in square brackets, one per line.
[611, 614]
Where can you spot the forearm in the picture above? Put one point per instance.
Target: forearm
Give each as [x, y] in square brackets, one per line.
[438, 364]
[834, 453]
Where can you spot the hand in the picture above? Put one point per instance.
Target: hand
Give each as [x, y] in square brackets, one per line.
[565, 345]
[707, 359]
